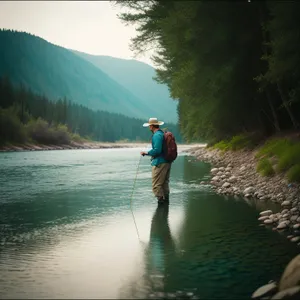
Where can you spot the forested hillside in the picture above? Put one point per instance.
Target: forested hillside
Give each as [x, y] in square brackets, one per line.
[29, 117]
[57, 72]
[137, 77]
[233, 66]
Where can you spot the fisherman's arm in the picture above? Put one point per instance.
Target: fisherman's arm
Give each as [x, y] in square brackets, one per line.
[157, 146]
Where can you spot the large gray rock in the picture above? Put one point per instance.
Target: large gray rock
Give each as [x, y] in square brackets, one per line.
[232, 179]
[291, 274]
[282, 225]
[214, 170]
[268, 221]
[266, 213]
[226, 185]
[249, 190]
[263, 218]
[265, 291]
[295, 239]
[289, 294]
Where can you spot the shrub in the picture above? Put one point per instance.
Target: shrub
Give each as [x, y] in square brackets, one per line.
[75, 137]
[239, 142]
[265, 168]
[293, 173]
[40, 131]
[11, 128]
[61, 135]
[290, 157]
[222, 145]
[274, 147]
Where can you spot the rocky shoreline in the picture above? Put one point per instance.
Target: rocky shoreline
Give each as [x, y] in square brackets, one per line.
[234, 173]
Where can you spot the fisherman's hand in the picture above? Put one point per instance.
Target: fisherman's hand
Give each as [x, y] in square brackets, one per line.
[144, 153]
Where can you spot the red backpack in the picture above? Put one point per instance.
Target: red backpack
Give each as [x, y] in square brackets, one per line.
[169, 147]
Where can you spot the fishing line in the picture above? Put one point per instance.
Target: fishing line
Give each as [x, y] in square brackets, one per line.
[137, 170]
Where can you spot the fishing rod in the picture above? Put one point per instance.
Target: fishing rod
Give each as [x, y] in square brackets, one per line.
[137, 170]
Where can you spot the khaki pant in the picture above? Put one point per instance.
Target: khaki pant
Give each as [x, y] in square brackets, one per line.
[160, 180]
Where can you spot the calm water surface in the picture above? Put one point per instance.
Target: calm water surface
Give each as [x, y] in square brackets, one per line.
[67, 231]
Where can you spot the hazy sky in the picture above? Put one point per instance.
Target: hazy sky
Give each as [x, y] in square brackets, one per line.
[87, 26]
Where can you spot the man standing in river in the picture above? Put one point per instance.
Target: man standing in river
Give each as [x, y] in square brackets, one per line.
[160, 167]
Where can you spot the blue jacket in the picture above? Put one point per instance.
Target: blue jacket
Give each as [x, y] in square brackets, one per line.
[157, 147]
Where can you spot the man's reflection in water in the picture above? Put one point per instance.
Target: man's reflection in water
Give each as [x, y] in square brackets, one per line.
[159, 256]
[160, 252]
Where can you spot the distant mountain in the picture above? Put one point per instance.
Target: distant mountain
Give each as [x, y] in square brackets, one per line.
[57, 72]
[137, 77]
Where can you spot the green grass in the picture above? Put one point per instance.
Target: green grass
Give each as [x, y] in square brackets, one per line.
[265, 168]
[286, 152]
[237, 142]
[274, 147]
[222, 145]
[293, 174]
[283, 152]
[289, 157]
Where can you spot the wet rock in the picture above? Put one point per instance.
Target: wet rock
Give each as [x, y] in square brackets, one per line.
[242, 168]
[249, 190]
[232, 179]
[226, 185]
[263, 218]
[235, 189]
[268, 221]
[293, 218]
[214, 170]
[291, 275]
[296, 226]
[286, 203]
[216, 178]
[295, 240]
[290, 294]
[265, 291]
[282, 225]
[266, 213]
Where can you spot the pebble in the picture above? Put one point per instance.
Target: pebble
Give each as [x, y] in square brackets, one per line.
[235, 174]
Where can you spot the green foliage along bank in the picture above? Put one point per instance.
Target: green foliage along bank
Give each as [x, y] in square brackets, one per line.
[276, 155]
[233, 66]
[28, 117]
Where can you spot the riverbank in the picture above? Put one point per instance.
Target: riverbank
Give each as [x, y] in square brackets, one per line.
[73, 145]
[234, 173]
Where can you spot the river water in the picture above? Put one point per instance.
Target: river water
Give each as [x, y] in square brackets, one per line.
[67, 230]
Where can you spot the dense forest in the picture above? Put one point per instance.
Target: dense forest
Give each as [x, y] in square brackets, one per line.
[28, 117]
[233, 65]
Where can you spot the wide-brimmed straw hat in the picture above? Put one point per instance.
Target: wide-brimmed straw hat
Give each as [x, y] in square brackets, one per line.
[153, 121]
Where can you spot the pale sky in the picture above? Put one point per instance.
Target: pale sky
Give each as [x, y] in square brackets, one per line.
[88, 26]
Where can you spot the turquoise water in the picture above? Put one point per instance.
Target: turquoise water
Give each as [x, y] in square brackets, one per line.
[67, 231]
